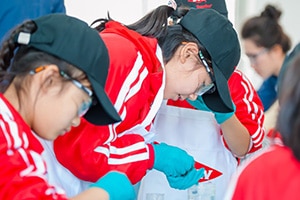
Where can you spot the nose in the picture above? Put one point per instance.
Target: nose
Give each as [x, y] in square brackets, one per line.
[253, 63]
[76, 121]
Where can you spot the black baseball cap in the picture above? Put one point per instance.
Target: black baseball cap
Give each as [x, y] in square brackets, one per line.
[73, 41]
[216, 33]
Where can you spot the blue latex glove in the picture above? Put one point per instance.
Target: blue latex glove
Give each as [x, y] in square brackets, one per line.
[171, 160]
[117, 185]
[200, 105]
[186, 181]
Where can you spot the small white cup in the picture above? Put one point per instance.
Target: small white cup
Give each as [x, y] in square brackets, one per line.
[155, 196]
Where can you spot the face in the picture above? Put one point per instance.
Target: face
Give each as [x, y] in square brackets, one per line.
[59, 106]
[186, 76]
[261, 59]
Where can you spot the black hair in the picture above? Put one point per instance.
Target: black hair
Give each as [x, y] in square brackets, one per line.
[265, 30]
[288, 120]
[17, 60]
[155, 24]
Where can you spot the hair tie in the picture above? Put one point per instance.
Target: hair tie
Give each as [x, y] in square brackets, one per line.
[23, 38]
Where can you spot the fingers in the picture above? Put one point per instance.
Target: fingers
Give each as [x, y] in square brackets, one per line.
[187, 180]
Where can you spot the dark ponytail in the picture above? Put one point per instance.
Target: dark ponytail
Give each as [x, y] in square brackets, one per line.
[265, 30]
[155, 24]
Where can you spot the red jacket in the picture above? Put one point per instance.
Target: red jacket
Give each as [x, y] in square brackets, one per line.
[135, 86]
[23, 170]
[274, 174]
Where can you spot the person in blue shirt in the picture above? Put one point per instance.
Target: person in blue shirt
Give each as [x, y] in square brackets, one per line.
[266, 45]
[268, 92]
[14, 12]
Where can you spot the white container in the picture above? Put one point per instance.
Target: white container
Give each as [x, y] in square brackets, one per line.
[202, 191]
[155, 196]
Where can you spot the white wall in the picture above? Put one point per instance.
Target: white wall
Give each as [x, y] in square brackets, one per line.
[123, 11]
[128, 12]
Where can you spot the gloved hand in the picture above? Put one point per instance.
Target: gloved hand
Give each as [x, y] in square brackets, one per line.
[171, 160]
[117, 185]
[200, 105]
[186, 181]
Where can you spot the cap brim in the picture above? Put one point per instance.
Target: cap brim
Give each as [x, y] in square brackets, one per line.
[103, 112]
[220, 100]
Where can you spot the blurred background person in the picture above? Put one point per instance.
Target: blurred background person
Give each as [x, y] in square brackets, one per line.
[266, 44]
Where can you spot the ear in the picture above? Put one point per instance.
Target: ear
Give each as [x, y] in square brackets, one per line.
[277, 49]
[48, 76]
[189, 49]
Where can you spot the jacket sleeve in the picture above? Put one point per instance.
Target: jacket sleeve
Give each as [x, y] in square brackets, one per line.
[23, 173]
[249, 109]
[90, 151]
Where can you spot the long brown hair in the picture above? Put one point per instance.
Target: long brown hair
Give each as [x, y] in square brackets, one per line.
[288, 121]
